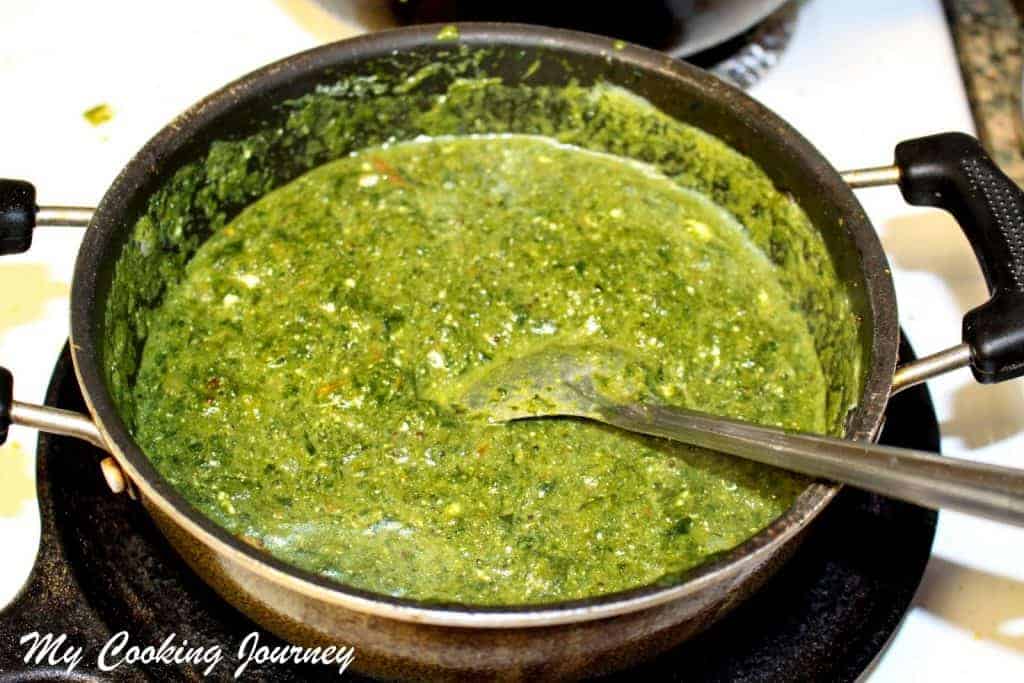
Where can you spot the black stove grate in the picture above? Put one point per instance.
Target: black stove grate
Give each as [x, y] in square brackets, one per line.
[103, 567]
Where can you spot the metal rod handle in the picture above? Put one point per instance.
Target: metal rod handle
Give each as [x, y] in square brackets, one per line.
[76, 425]
[64, 216]
[875, 176]
[57, 421]
[923, 369]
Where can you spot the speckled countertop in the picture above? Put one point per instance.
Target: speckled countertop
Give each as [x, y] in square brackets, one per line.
[988, 36]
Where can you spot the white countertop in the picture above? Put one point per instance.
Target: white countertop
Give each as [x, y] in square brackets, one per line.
[857, 78]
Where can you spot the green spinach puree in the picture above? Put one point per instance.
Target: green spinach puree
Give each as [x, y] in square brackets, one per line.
[289, 385]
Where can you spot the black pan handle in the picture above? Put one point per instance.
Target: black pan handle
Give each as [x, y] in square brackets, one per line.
[6, 401]
[17, 220]
[17, 215]
[953, 172]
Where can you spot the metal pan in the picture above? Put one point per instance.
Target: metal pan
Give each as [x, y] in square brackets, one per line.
[402, 638]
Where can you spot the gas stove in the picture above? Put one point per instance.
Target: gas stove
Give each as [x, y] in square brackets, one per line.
[855, 78]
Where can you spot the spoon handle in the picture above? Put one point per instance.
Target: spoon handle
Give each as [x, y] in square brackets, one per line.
[914, 476]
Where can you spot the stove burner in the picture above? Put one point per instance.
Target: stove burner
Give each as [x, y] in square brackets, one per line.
[103, 568]
[745, 59]
[689, 29]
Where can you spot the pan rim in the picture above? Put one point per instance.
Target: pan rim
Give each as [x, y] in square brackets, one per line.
[864, 422]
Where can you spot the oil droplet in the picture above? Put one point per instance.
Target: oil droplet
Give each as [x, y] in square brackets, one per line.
[16, 487]
[36, 288]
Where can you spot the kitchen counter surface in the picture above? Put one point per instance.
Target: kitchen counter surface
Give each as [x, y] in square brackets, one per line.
[856, 79]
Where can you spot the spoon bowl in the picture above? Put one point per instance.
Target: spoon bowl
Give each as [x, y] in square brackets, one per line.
[555, 381]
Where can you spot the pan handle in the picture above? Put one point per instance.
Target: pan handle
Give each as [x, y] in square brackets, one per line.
[952, 171]
[19, 216]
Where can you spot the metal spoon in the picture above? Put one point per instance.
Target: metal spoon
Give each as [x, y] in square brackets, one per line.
[605, 386]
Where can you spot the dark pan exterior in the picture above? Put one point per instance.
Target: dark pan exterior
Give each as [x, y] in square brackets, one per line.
[393, 649]
[402, 638]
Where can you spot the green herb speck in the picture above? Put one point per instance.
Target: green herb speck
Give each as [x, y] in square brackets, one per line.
[99, 114]
[449, 32]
